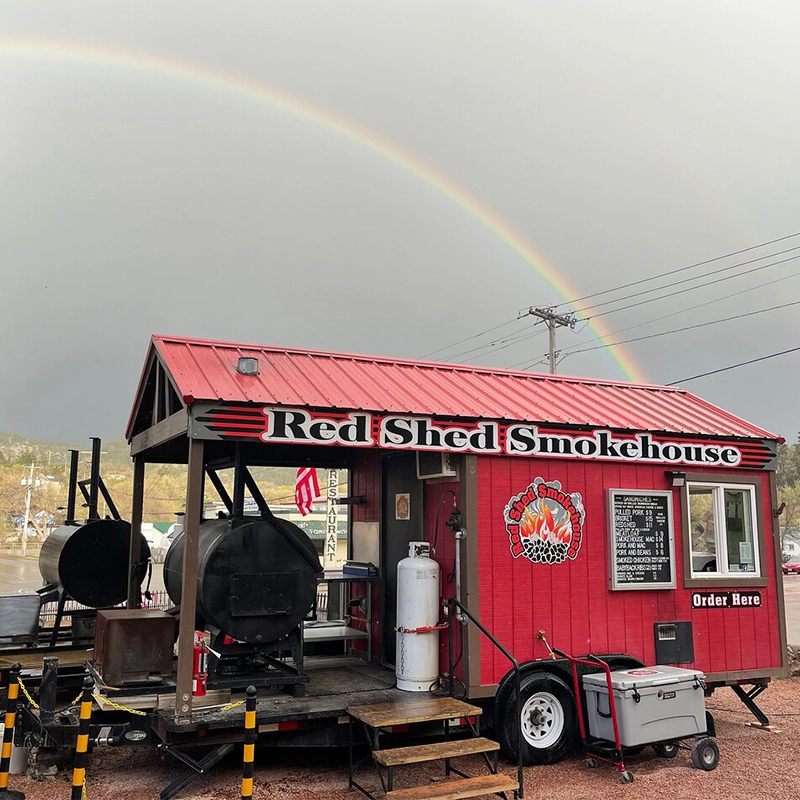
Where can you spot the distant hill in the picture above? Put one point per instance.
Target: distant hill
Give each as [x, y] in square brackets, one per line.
[15, 449]
[165, 485]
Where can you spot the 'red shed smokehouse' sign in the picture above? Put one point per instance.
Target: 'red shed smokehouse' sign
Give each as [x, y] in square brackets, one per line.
[407, 432]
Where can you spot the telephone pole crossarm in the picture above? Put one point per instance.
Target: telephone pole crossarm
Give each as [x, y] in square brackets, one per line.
[553, 321]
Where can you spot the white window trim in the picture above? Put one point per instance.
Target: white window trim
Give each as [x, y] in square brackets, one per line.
[720, 544]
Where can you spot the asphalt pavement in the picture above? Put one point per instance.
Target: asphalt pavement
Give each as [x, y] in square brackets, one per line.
[19, 574]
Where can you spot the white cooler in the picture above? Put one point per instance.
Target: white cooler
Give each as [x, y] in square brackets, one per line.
[671, 704]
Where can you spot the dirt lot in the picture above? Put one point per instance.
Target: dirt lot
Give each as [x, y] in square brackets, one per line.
[754, 764]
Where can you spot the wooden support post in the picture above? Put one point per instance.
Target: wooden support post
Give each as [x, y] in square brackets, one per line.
[82, 743]
[249, 743]
[137, 505]
[8, 736]
[191, 524]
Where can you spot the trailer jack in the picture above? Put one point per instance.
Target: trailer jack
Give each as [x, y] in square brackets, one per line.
[749, 699]
[195, 767]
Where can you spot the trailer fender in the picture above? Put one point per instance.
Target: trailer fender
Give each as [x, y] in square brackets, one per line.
[558, 667]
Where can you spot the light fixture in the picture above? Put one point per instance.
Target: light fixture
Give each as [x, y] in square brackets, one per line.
[677, 479]
[247, 365]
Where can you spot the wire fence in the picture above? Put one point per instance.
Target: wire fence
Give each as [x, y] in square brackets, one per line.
[159, 599]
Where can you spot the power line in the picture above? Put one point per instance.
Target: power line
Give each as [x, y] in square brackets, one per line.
[680, 269]
[469, 338]
[693, 288]
[502, 344]
[734, 366]
[696, 278]
[681, 330]
[695, 307]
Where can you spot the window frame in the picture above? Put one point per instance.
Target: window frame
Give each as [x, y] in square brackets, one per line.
[716, 580]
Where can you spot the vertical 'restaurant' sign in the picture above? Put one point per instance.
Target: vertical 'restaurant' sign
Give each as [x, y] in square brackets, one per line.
[331, 517]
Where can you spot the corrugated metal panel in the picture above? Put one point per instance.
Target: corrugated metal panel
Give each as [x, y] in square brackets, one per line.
[206, 370]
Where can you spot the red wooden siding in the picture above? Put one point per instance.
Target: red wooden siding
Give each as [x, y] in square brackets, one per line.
[572, 601]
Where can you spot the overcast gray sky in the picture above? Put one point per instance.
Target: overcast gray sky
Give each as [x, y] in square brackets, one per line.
[155, 181]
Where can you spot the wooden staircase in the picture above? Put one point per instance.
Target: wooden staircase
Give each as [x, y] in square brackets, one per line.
[381, 718]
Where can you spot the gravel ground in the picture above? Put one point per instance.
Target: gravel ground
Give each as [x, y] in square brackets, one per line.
[754, 764]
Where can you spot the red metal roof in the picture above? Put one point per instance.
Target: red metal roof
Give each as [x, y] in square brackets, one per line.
[206, 370]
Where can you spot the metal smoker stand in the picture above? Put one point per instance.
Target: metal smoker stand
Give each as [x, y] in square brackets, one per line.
[659, 706]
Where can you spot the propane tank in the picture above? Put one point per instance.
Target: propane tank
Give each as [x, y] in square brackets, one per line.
[417, 656]
[199, 665]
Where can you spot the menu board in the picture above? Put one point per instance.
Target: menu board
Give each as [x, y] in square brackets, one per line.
[642, 543]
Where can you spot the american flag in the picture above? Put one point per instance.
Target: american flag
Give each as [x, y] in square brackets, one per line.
[306, 489]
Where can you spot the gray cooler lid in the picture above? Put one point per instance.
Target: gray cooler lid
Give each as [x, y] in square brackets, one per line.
[641, 677]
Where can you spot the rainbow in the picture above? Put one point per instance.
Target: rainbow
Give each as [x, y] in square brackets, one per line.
[257, 90]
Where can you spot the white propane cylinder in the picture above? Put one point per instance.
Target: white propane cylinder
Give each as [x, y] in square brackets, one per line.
[417, 658]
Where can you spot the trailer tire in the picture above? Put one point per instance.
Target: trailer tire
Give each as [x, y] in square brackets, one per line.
[547, 728]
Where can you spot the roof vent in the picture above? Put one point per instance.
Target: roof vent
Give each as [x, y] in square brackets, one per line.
[247, 365]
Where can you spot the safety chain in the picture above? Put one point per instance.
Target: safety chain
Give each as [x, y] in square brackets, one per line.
[232, 705]
[35, 705]
[118, 706]
[26, 693]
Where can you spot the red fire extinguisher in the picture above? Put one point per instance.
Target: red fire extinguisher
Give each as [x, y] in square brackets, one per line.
[199, 665]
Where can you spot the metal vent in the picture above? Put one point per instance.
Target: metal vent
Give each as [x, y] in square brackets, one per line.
[666, 632]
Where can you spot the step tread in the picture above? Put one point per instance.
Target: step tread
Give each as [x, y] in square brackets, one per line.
[454, 790]
[407, 712]
[431, 752]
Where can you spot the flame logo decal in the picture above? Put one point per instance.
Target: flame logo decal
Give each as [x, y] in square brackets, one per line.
[544, 523]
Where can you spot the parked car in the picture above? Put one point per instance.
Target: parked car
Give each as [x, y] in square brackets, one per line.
[791, 567]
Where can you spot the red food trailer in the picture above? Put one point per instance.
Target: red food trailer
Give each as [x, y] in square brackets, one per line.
[632, 520]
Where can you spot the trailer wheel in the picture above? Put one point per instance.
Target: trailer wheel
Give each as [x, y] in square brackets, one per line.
[666, 749]
[705, 754]
[548, 722]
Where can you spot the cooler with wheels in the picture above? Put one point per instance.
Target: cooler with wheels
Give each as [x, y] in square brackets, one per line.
[659, 706]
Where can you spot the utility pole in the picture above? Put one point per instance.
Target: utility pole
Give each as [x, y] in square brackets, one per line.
[553, 321]
[29, 482]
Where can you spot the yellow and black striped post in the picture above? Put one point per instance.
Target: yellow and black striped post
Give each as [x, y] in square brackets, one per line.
[82, 745]
[249, 743]
[8, 736]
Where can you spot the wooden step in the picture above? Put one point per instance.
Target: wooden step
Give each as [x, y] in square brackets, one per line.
[454, 790]
[396, 756]
[407, 712]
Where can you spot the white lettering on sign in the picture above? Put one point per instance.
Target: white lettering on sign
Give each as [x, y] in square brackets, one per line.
[363, 429]
[726, 599]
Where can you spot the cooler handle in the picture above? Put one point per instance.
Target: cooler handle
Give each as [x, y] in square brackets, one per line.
[605, 715]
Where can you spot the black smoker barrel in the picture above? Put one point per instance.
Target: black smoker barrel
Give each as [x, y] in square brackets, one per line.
[256, 579]
[91, 561]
